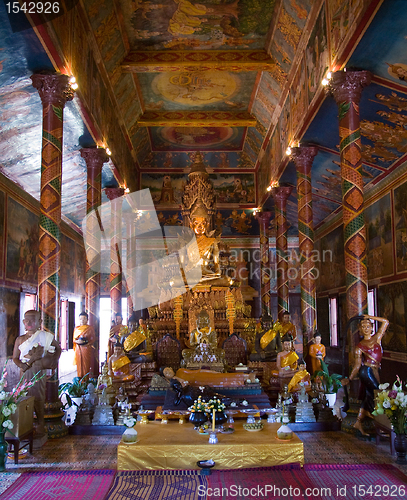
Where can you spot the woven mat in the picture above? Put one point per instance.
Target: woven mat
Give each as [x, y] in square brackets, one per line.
[60, 485]
[158, 485]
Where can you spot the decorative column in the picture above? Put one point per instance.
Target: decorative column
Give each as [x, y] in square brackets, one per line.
[116, 285]
[94, 158]
[346, 87]
[280, 195]
[265, 271]
[303, 157]
[130, 263]
[54, 91]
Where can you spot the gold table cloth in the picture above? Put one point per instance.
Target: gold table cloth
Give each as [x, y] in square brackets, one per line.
[175, 446]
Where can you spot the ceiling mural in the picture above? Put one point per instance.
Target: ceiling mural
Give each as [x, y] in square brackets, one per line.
[180, 24]
[218, 161]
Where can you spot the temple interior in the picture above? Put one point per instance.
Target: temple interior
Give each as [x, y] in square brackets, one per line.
[221, 187]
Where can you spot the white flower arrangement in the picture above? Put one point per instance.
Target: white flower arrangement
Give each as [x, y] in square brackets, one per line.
[393, 403]
[129, 421]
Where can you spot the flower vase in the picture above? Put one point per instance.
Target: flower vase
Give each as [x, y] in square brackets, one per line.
[400, 445]
[220, 418]
[129, 435]
[3, 451]
[198, 418]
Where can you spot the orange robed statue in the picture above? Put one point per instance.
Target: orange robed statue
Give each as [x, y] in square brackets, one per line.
[83, 345]
[316, 353]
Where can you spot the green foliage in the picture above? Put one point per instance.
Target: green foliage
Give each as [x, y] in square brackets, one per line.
[330, 383]
[75, 389]
[343, 109]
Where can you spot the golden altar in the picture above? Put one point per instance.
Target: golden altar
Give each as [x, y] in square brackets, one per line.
[175, 446]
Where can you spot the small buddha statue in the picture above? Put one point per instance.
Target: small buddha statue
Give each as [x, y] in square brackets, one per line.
[302, 376]
[267, 342]
[135, 344]
[104, 388]
[119, 365]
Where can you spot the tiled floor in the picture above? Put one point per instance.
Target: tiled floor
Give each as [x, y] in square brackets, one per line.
[99, 452]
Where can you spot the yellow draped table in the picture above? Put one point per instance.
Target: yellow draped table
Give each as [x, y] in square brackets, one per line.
[175, 446]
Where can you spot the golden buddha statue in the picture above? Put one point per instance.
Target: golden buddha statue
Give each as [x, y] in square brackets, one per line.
[204, 349]
[286, 362]
[119, 365]
[301, 376]
[135, 344]
[104, 387]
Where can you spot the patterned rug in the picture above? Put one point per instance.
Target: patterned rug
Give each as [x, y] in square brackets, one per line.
[60, 485]
[7, 479]
[358, 481]
[158, 485]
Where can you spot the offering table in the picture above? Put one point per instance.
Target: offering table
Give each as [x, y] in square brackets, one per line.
[175, 446]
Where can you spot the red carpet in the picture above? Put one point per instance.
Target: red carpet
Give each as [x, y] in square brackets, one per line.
[61, 485]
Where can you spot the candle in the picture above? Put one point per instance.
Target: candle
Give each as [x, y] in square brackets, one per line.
[213, 420]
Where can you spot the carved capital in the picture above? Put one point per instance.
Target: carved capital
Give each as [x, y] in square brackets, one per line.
[53, 89]
[114, 192]
[303, 157]
[263, 218]
[348, 85]
[281, 194]
[94, 157]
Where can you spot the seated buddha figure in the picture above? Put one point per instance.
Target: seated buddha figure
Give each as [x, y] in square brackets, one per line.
[119, 365]
[208, 248]
[301, 376]
[135, 344]
[286, 361]
[104, 388]
[286, 327]
[203, 342]
[117, 333]
[267, 343]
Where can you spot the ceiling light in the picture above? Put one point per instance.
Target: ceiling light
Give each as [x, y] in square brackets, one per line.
[288, 151]
[325, 82]
[72, 80]
[127, 190]
[329, 75]
[108, 152]
[269, 188]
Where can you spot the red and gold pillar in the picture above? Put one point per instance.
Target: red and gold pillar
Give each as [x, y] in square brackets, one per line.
[54, 91]
[94, 158]
[116, 270]
[303, 157]
[130, 263]
[265, 270]
[280, 195]
[346, 87]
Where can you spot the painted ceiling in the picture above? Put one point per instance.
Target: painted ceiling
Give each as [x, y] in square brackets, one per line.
[238, 81]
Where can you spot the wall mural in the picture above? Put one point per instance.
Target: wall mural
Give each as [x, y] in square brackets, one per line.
[22, 243]
[392, 304]
[218, 160]
[298, 96]
[9, 319]
[400, 225]
[68, 264]
[167, 190]
[2, 239]
[379, 238]
[331, 263]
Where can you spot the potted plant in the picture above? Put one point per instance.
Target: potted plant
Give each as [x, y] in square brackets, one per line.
[198, 412]
[75, 390]
[330, 382]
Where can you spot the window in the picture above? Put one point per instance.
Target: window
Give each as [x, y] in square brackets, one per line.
[333, 321]
[371, 302]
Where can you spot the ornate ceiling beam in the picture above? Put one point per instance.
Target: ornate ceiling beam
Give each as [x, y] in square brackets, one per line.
[197, 119]
[198, 60]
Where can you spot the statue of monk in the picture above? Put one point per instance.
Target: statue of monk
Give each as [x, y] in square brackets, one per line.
[35, 352]
[119, 365]
[316, 352]
[117, 333]
[267, 342]
[104, 388]
[83, 345]
[286, 360]
[301, 376]
[135, 344]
